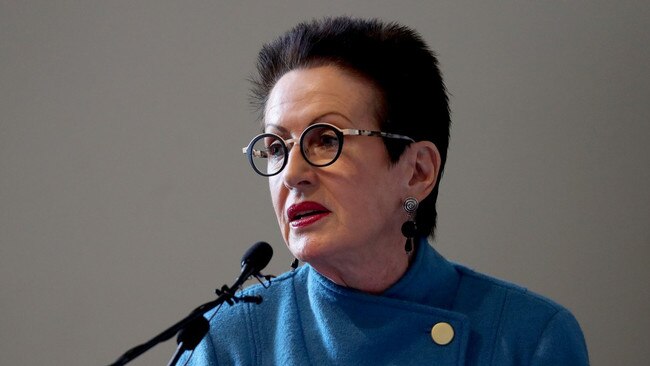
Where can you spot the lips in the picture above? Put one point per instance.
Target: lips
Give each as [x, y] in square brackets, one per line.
[306, 213]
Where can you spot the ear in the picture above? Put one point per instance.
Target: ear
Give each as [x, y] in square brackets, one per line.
[424, 168]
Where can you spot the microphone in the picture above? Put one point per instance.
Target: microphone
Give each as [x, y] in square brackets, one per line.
[253, 261]
[195, 326]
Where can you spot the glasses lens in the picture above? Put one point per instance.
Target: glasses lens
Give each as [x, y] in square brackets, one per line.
[321, 145]
[268, 154]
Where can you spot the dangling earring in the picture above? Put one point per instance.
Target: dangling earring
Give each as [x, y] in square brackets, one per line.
[409, 230]
[295, 264]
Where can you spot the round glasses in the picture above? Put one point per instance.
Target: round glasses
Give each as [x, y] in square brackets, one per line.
[320, 145]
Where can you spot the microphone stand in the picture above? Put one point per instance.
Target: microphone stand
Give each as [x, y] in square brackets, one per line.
[193, 327]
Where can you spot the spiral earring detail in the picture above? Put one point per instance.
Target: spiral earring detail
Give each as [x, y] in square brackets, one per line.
[409, 229]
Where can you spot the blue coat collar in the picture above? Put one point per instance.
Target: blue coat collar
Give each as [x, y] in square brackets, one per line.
[430, 280]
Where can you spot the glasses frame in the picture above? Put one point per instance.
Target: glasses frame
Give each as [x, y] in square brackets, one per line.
[288, 144]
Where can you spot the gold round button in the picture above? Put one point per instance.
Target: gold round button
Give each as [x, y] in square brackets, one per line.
[442, 333]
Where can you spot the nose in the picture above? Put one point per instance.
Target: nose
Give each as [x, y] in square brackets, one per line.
[298, 173]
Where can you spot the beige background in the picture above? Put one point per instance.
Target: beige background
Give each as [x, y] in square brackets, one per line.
[125, 199]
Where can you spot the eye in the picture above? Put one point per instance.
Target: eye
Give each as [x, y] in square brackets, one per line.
[328, 139]
[323, 139]
[275, 150]
[269, 147]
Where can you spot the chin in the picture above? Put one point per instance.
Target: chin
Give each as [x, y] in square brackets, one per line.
[308, 249]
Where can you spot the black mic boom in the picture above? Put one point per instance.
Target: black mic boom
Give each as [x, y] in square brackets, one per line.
[195, 325]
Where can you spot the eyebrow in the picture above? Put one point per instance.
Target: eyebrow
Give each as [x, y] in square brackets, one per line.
[316, 120]
[272, 125]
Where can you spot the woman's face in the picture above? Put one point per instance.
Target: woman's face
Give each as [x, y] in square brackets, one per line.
[348, 211]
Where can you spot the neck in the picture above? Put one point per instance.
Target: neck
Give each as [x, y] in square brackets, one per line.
[371, 272]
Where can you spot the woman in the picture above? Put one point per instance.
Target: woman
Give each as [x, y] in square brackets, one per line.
[356, 129]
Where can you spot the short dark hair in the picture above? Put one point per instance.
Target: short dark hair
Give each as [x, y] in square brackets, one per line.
[394, 58]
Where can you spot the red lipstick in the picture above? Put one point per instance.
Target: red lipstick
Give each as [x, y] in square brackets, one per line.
[306, 213]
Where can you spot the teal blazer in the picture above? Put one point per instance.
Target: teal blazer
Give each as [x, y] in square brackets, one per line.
[438, 313]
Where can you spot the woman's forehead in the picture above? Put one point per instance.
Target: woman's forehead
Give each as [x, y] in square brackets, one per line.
[301, 96]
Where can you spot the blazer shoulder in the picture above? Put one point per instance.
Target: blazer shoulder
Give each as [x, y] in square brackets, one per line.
[523, 327]
[515, 295]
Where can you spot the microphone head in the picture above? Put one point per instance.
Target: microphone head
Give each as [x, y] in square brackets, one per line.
[256, 257]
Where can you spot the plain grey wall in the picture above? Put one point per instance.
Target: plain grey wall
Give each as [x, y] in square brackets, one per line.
[125, 199]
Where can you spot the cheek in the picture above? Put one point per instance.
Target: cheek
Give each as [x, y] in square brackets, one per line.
[376, 192]
[362, 192]
[277, 196]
